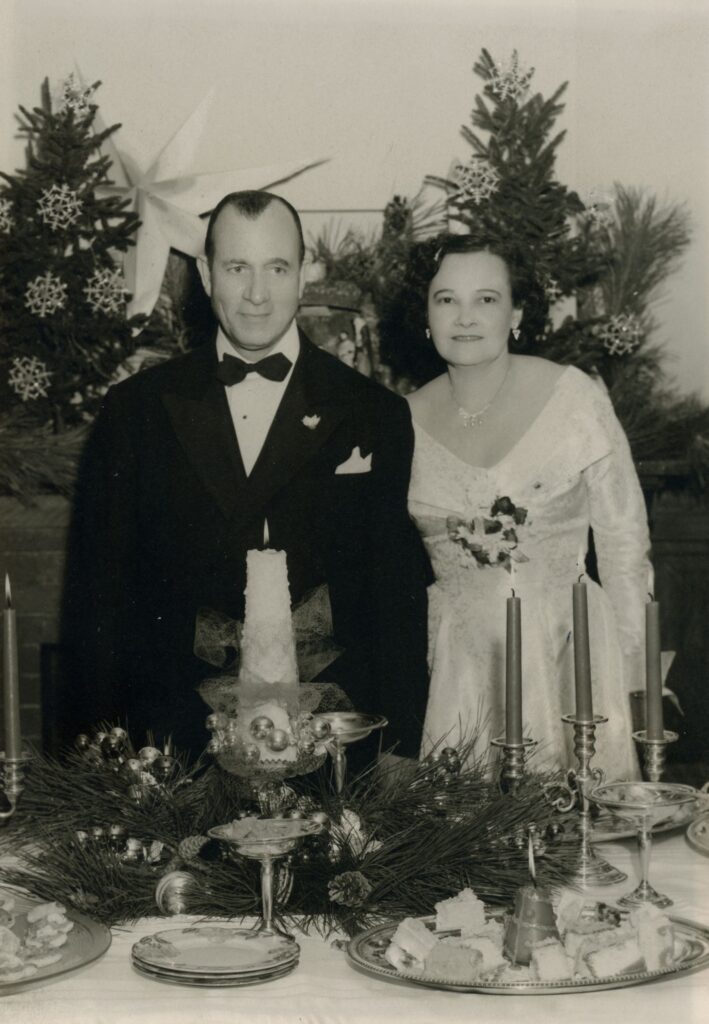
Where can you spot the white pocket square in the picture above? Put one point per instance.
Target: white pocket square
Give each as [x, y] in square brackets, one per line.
[357, 463]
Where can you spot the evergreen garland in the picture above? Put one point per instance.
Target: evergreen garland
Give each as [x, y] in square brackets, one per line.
[396, 844]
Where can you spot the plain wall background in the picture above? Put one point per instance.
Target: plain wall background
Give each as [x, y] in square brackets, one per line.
[382, 87]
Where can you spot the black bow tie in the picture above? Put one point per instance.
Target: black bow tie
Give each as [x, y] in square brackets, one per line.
[233, 370]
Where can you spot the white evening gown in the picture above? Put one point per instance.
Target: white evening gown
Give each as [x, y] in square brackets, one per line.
[572, 468]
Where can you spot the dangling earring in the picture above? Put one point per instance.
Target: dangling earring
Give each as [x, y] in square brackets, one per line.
[516, 333]
[428, 333]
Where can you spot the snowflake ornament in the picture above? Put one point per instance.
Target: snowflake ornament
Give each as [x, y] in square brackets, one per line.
[105, 292]
[74, 98]
[45, 294]
[29, 378]
[552, 290]
[599, 209]
[7, 221]
[622, 334]
[476, 180]
[59, 206]
[510, 79]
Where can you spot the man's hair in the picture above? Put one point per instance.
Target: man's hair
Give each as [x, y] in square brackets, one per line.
[250, 203]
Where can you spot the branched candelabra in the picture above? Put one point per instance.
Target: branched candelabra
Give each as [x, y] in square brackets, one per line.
[591, 869]
[14, 769]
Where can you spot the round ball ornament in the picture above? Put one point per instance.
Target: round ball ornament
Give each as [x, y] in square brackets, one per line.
[320, 728]
[116, 835]
[261, 727]
[306, 746]
[163, 767]
[218, 720]
[252, 754]
[98, 834]
[172, 891]
[296, 814]
[149, 754]
[321, 818]
[120, 734]
[132, 767]
[112, 746]
[277, 740]
[82, 742]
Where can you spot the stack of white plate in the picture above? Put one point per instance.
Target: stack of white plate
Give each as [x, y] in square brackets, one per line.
[214, 955]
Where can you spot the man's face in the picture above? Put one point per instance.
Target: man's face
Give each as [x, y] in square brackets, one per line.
[255, 278]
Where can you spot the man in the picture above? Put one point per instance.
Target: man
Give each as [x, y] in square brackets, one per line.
[189, 460]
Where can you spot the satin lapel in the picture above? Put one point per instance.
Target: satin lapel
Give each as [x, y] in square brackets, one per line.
[312, 392]
[200, 417]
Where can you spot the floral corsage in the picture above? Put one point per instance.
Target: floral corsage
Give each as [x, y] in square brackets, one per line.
[492, 538]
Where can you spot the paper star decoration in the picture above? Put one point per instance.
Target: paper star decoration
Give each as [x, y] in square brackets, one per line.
[476, 180]
[622, 334]
[105, 292]
[59, 206]
[168, 197]
[7, 221]
[29, 378]
[45, 294]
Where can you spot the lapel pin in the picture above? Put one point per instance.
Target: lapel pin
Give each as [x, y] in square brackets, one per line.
[310, 422]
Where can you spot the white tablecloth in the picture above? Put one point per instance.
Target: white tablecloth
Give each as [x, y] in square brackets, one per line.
[324, 989]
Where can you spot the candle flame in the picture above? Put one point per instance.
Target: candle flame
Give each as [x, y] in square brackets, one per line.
[266, 534]
[530, 856]
[8, 591]
[651, 582]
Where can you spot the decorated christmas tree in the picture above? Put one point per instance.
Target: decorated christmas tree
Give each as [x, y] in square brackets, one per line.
[598, 263]
[63, 327]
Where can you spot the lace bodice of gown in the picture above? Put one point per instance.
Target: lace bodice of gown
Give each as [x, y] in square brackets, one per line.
[570, 470]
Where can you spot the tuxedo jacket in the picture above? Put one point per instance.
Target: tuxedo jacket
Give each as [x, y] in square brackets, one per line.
[165, 514]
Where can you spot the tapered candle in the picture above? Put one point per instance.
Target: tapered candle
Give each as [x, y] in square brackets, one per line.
[654, 724]
[582, 655]
[513, 679]
[10, 678]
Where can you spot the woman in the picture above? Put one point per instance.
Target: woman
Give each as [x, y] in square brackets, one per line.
[515, 457]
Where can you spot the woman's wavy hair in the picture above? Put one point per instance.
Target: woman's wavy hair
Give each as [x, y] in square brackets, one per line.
[404, 345]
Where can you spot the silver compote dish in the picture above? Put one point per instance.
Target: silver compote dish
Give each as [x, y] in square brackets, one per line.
[645, 806]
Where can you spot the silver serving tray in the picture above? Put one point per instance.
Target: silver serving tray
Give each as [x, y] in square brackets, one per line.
[87, 941]
[698, 834]
[366, 953]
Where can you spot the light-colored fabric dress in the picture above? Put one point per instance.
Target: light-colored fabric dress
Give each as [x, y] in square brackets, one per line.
[572, 468]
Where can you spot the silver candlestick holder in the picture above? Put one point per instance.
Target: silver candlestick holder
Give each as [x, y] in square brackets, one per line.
[13, 770]
[591, 868]
[654, 752]
[513, 758]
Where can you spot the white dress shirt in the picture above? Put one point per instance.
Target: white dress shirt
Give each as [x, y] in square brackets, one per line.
[253, 402]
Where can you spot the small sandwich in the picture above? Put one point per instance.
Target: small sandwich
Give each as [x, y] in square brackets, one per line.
[490, 950]
[620, 958]
[550, 962]
[7, 911]
[464, 913]
[656, 936]
[453, 963]
[410, 944]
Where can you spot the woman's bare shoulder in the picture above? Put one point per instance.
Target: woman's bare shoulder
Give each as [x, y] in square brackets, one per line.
[542, 371]
[424, 399]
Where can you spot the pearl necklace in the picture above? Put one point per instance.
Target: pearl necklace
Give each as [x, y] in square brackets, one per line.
[474, 419]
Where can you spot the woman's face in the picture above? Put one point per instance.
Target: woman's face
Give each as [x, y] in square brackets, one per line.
[470, 311]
